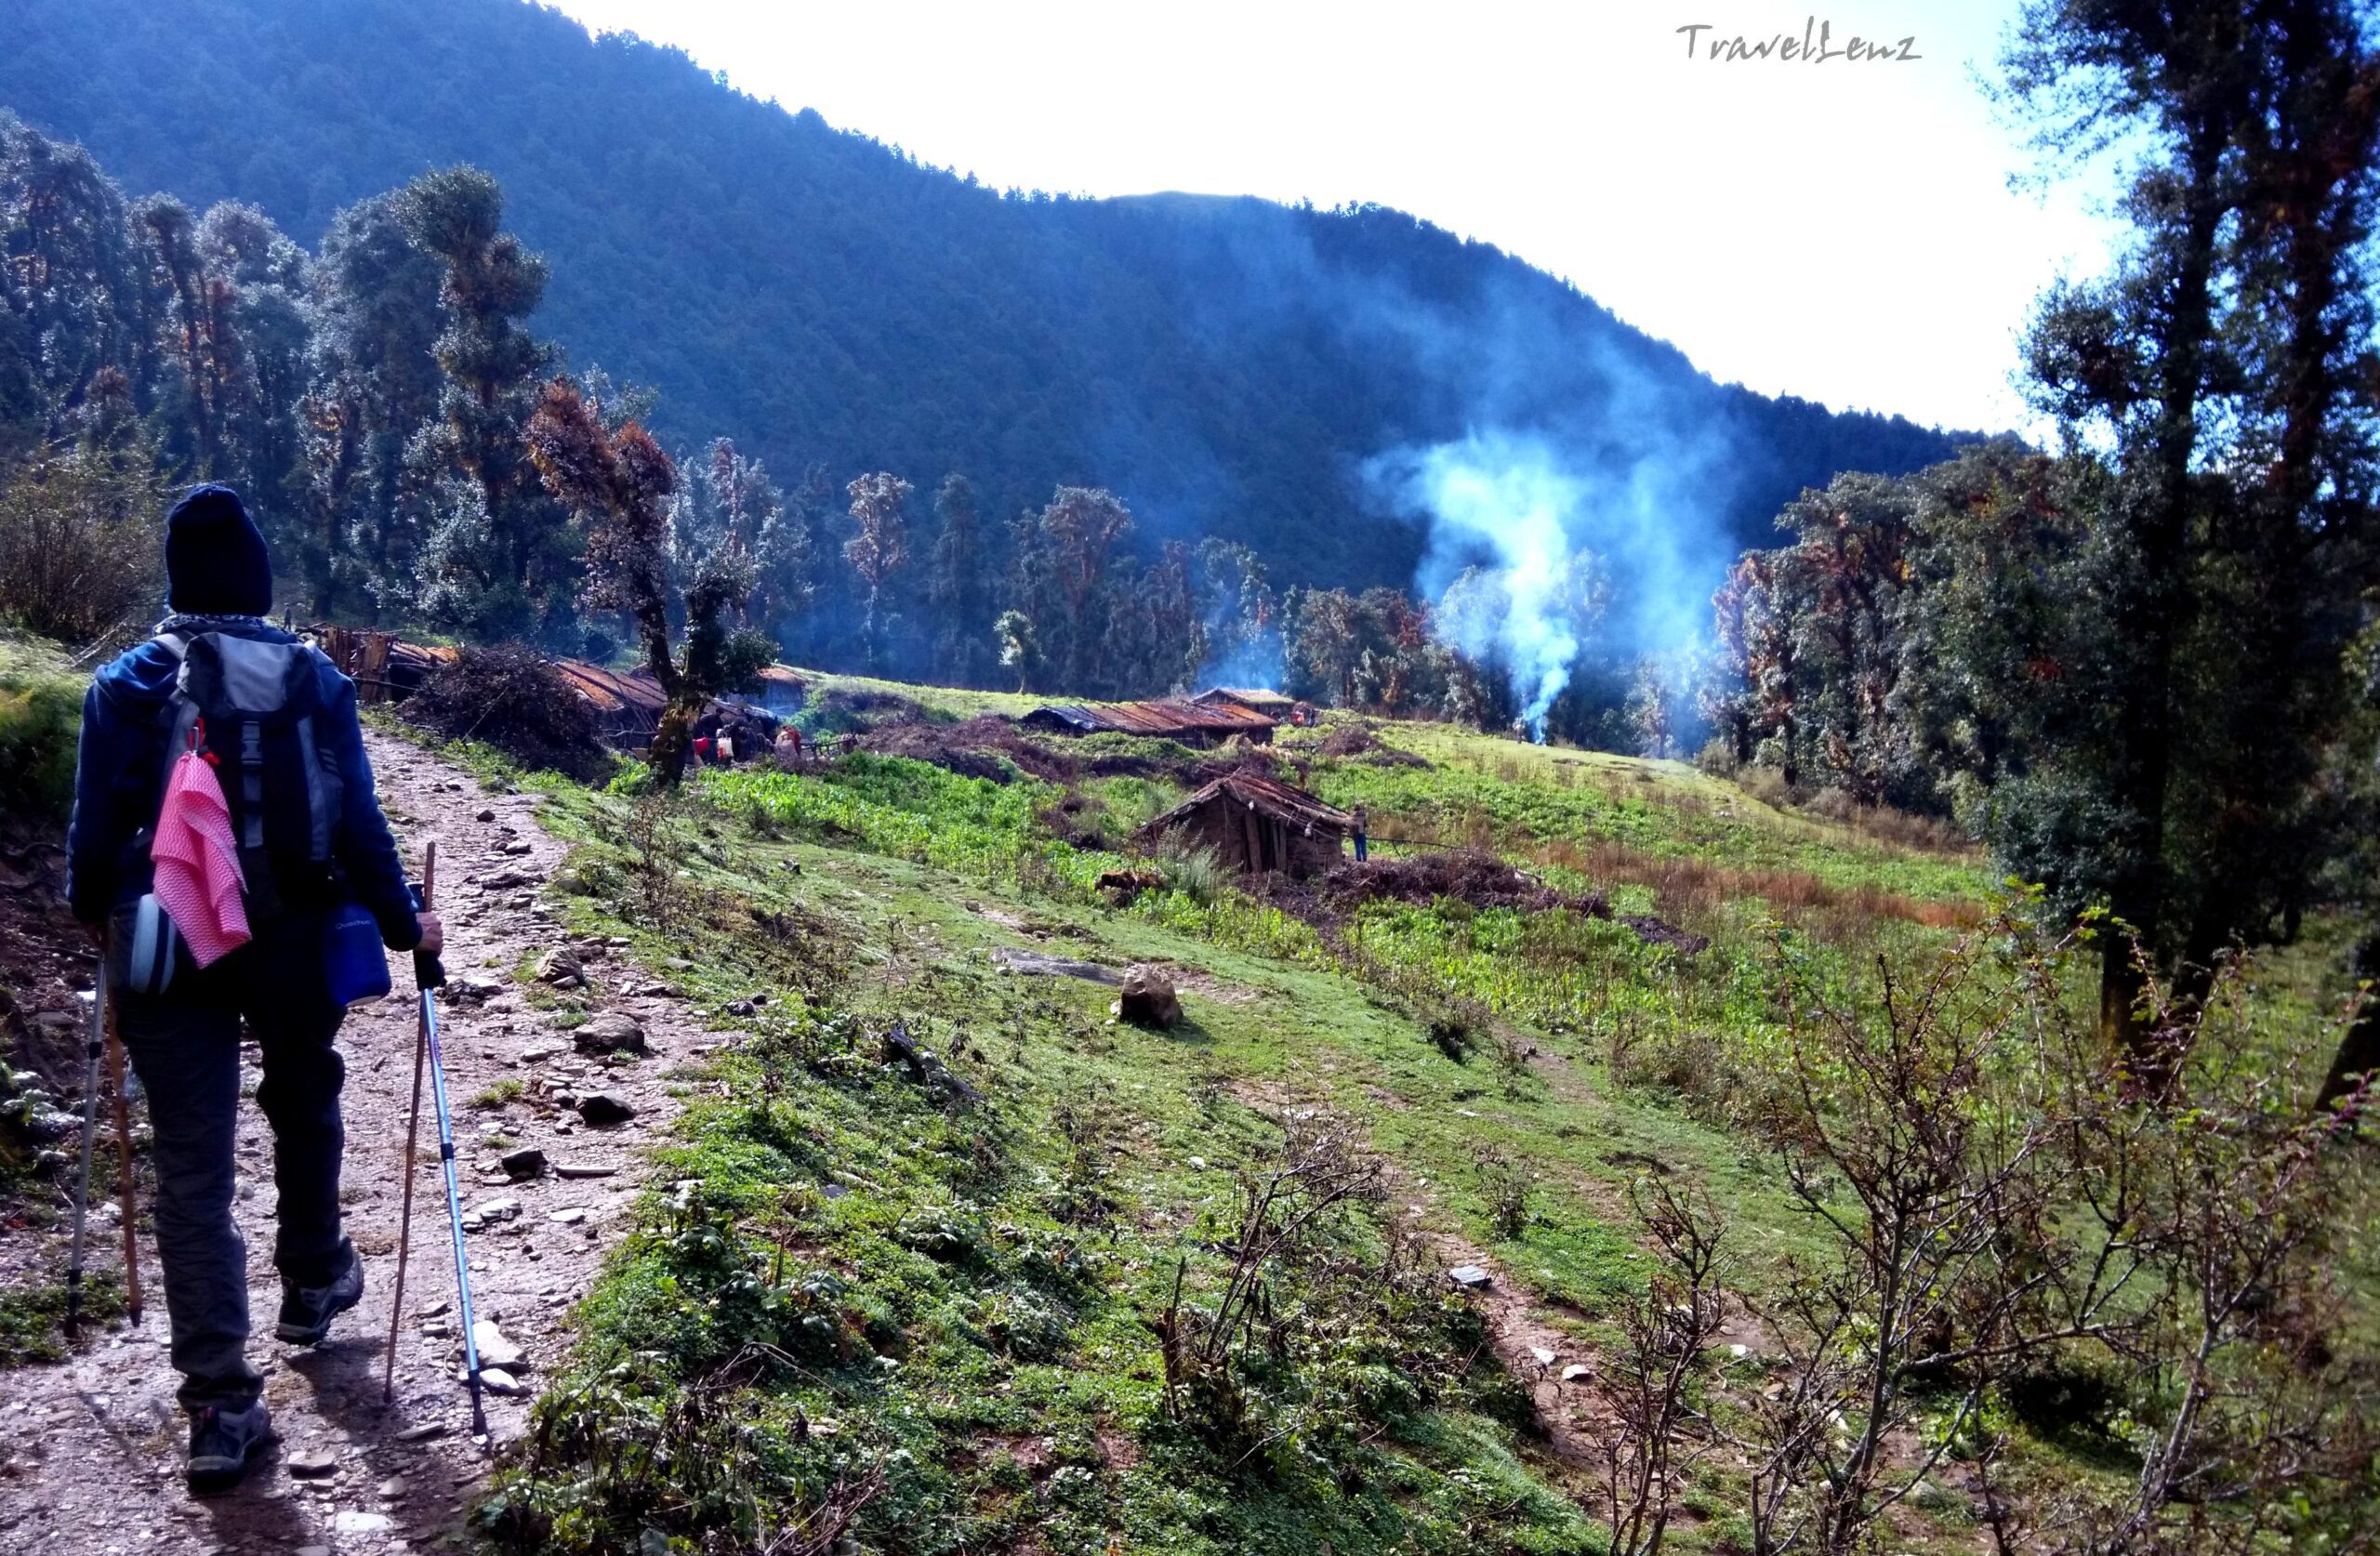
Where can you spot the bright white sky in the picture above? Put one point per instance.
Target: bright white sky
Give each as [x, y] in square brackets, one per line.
[1840, 232]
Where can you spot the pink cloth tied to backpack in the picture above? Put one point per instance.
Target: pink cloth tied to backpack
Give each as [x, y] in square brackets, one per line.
[199, 881]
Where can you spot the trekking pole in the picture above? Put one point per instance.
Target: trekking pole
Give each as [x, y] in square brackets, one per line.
[412, 1131]
[428, 975]
[123, 1151]
[92, 1044]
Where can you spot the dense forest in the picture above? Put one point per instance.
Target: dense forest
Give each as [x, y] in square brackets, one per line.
[2143, 667]
[822, 299]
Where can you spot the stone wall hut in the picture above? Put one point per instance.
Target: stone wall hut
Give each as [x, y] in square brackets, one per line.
[1256, 825]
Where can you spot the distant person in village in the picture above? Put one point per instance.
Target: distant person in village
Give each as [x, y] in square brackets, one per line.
[789, 745]
[1363, 842]
[184, 1036]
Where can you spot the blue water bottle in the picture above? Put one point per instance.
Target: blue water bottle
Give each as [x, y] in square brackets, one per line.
[358, 967]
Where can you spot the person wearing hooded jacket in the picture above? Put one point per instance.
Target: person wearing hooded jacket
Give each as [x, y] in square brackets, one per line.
[185, 1042]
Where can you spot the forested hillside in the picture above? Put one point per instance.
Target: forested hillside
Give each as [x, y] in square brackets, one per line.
[1222, 365]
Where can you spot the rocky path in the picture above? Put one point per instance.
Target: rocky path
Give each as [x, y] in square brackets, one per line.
[91, 1450]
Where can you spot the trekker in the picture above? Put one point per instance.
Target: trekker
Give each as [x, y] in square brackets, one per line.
[184, 1039]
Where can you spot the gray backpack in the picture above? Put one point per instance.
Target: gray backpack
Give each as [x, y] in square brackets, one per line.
[249, 707]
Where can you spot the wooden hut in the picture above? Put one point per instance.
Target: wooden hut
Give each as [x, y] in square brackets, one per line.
[1191, 724]
[1276, 705]
[384, 666]
[1257, 823]
[627, 706]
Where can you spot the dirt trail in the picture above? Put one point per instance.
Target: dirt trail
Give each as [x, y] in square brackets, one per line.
[90, 1450]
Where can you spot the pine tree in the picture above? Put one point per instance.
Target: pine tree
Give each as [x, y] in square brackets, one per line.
[2219, 363]
[500, 550]
[958, 586]
[76, 297]
[619, 482]
[1020, 647]
[1065, 552]
[878, 550]
[732, 502]
[374, 384]
[257, 283]
[1239, 621]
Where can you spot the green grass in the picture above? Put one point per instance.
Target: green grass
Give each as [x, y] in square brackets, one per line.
[32, 1317]
[863, 1281]
[946, 701]
[41, 699]
[509, 1089]
[1498, 794]
[915, 874]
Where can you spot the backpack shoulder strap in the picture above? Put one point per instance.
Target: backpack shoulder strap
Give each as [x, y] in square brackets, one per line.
[179, 714]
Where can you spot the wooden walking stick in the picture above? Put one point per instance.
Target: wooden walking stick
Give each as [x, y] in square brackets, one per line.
[93, 1041]
[412, 1132]
[123, 1183]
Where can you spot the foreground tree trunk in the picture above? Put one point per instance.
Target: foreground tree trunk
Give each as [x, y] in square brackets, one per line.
[2358, 1053]
[2160, 525]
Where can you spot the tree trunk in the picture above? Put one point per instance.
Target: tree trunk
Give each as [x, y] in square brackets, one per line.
[667, 755]
[2358, 1054]
[2158, 520]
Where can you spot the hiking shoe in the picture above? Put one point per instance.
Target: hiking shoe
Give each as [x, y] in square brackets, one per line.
[221, 1442]
[307, 1311]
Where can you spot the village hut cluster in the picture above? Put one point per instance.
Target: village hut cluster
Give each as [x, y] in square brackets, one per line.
[627, 704]
[1250, 820]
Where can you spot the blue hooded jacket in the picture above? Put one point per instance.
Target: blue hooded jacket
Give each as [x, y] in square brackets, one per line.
[120, 781]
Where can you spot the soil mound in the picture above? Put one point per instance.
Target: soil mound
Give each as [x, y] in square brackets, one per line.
[1350, 742]
[1468, 874]
[972, 749]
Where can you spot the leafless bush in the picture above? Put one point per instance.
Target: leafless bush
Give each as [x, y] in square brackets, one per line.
[2252, 1395]
[1283, 1198]
[80, 547]
[1999, 1195]
[1506, 1186]
[1657, 1429]
[656, 860]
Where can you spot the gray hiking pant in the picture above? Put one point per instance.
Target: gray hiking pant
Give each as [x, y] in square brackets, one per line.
[185, 1047]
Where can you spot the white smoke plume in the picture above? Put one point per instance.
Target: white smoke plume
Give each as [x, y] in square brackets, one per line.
[1542, 551]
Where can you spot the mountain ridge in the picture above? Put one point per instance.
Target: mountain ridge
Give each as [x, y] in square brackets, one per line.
[1225, 362]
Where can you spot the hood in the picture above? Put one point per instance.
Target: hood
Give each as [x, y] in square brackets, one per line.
[140, 680]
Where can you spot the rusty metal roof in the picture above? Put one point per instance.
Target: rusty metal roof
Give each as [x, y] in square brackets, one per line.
[777, 677]
[1255, 698]
[636, 694]
[1263, 794]
[1163, 717]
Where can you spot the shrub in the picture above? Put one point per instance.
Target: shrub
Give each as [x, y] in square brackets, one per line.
[1198, 873]
[512, 699]
[1506, 1186]
[40, 711]
[80, 547]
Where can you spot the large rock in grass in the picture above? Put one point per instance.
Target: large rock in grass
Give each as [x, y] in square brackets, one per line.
[608, 1033]
[1146, 999]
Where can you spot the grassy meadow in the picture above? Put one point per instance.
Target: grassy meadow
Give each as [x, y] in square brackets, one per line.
[857, 1298]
